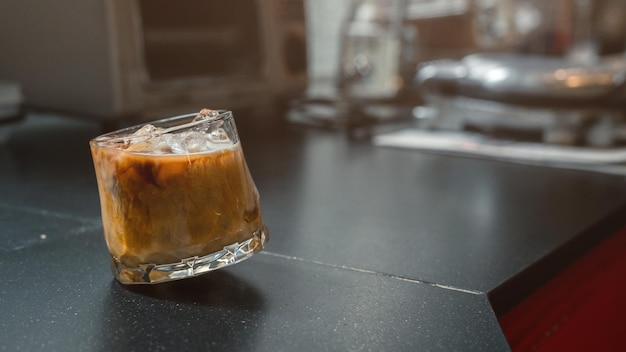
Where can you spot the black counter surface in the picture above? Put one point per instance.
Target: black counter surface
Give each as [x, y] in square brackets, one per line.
[371, 248]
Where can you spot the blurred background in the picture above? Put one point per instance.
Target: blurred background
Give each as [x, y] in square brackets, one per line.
[425, 74]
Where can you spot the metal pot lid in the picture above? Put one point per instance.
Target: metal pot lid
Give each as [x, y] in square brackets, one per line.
[525, 79]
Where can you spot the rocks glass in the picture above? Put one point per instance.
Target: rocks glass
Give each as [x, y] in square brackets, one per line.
[177, 198]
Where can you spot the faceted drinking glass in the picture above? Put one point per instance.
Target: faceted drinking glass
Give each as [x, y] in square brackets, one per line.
[177, 198]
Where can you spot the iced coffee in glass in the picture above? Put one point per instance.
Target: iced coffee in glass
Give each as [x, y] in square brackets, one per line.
[177, 198]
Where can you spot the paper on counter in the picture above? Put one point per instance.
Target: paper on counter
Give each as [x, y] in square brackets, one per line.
[609, 160]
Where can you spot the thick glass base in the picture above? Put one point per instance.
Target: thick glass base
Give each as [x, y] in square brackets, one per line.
[190, 267]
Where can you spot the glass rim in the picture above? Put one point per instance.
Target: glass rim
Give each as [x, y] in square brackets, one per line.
[122, 135]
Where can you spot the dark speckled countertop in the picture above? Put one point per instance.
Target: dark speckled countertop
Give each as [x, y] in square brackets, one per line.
[371, 249]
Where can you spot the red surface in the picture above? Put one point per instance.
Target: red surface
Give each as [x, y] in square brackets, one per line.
[582, 309]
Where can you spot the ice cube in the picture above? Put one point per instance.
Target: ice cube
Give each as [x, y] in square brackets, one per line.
[206, 114]
[154, 140]
[163, 144]
[178, 143]
[219, 137]
[175, 143]
[142, 135]
[140, 147]
[147, 130]
[196, 142]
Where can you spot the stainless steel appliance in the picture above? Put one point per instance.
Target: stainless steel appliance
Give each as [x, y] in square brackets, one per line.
[536, 81]
[556, 69]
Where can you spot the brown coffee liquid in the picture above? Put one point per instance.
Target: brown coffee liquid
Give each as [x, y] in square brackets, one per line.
[163, 208]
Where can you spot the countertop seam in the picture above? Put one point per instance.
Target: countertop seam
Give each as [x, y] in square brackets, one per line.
[367, 271]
